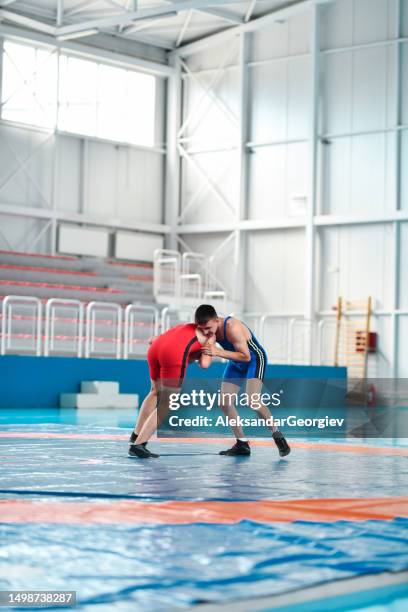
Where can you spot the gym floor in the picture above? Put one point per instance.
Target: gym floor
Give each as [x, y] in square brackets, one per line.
[193, 529]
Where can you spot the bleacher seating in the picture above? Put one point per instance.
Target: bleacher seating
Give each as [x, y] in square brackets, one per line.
[85, 279]
[69, 305]
[75, 278]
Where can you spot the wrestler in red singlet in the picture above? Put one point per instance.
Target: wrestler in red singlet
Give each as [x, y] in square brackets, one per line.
[169, 353]
[168, 357]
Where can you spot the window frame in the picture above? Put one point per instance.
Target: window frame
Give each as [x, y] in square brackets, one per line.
[159, 102]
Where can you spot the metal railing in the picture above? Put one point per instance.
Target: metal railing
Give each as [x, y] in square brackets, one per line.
[287, 337]
[21, 323]
[68, 327]
[195, 263]
[180, 280]
[191, 286]
[102, 329]
[141, 323]
[277, 331]
[166, 273]
[218, 299]
[64, 321]
[174, 316]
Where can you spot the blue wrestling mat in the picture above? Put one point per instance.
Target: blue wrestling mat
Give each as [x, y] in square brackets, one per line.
[193, 529]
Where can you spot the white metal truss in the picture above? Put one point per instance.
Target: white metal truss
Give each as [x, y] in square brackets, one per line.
[184, 27]
[128, 17]
[208, 98]
[250, 26]
[113, 17]
[194, 200]
[207, 184]
[81, 7]
[215, 12]
[145, 25]
[22, 166]
[208, 94]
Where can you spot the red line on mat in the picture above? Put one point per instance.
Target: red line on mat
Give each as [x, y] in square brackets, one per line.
[323, 446]
[187, 512]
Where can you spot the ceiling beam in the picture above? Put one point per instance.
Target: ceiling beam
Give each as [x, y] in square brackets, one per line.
[255, 24]
[78, 34]
[151, 40]
[148, 23]
[27, 22]
[153, 22]
[184, 27]
[116, 5]
[250, 10]
[60, 13]
[117, 59]
[79, 8]
[226, 15]
[15, 210]
[219, 13]
[129, 17]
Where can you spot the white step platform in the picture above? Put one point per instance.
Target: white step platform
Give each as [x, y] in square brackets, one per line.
[102, 387]
[99, 394]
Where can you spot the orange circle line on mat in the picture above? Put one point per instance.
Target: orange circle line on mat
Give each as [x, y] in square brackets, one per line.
[324, 446]
[189, 512]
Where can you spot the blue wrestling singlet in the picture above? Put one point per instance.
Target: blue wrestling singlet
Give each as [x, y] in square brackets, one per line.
[255, 368]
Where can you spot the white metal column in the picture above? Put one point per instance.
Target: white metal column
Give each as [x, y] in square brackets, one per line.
[173, 166]
[310, 271]
[241, 238]
[1, 68]
[56, 158]
[397, 224]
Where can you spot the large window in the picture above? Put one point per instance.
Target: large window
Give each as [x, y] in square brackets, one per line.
[50, 89]
[29, 85]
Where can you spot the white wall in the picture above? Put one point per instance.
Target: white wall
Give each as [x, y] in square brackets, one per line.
[356, 262]
[275, 276]
[358, 160]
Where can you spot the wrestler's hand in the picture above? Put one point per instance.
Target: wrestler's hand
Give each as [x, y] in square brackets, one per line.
[203, 338]
[210, 340]
[211, 350]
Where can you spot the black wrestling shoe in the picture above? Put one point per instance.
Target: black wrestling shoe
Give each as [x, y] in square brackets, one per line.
[133, 438]
[140, 451]
[283, 446]
[240, 448]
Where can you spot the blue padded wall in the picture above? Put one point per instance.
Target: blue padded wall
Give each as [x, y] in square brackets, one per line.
[36, 382]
